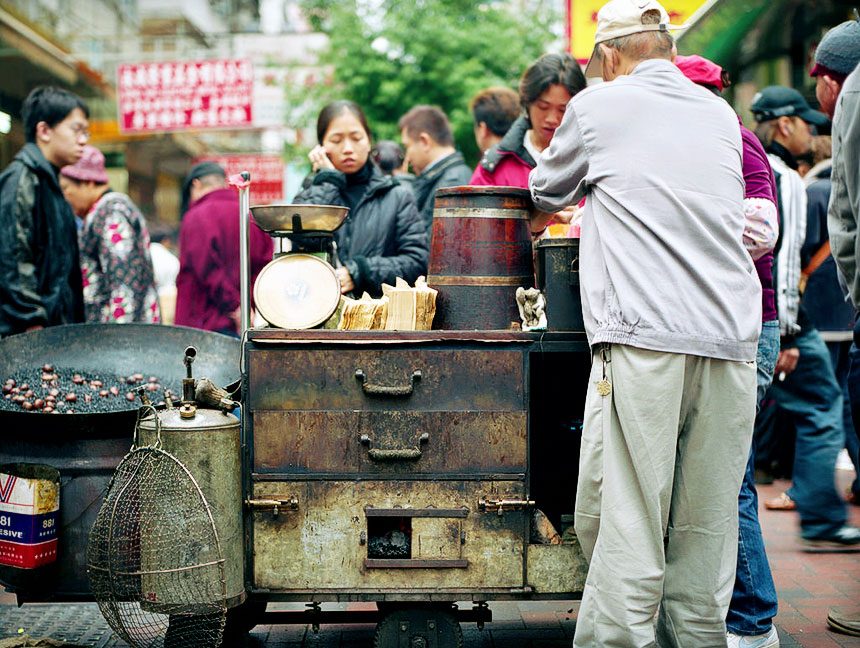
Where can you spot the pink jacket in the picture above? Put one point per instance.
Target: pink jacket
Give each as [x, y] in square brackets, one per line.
[511, 171]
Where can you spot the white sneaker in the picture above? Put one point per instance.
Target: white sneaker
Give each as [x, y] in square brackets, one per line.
[769, 640]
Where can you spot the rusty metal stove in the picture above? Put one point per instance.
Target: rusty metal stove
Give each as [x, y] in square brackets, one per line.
[403, 468]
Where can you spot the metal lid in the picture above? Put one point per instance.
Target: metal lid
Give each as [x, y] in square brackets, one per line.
[558, 242]
[484, 190]
[297, 291]
[287, 219]
[202, 419]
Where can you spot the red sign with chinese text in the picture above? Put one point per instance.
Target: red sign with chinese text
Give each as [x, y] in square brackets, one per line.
[155, 97]
[267, 174]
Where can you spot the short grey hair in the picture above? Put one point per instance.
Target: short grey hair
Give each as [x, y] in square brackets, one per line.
[645, 45]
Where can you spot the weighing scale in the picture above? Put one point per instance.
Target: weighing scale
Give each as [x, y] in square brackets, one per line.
[299, 288]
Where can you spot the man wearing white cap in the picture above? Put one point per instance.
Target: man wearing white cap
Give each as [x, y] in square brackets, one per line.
[667, 294]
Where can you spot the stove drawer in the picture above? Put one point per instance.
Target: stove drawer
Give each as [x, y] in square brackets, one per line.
[388, 536]
[386, 379]
[389, 442]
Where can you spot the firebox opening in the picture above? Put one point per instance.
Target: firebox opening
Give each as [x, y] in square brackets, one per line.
[389, 537]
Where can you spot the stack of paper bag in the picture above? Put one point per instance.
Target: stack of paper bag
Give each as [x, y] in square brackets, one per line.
[410, 309]
[363, 314]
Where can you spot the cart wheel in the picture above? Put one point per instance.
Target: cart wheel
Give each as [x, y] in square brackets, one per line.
[419, 628]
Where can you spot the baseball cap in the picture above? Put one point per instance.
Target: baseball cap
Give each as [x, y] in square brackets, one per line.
[778, 101]
[838, 51]
[701, 71]
[199, 170]
[619, 18]
[90, 168]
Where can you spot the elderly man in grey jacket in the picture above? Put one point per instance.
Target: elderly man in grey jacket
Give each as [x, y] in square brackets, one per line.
[842, 102]
[667, 292]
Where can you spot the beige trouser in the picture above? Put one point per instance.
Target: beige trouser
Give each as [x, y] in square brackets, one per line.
[657, 501]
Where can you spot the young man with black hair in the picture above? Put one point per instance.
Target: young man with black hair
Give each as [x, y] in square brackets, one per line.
[40, 272]
[429, 143]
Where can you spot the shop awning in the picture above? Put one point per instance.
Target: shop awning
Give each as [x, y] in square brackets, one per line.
[36, 49]
[719, 28]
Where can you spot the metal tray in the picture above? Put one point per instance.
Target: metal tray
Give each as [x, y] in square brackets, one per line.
[293, 219]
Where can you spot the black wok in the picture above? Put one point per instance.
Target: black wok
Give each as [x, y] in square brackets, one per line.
[118, 349]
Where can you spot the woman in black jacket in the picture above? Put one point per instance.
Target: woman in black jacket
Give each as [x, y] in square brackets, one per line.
[384, 236]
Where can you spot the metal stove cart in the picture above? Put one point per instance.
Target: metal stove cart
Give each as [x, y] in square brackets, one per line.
[404, 468]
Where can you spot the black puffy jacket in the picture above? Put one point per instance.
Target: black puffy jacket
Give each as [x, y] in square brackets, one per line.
[451, 171]
[383, 237]
[40, 270]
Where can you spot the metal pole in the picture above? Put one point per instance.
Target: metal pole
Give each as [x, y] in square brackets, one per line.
[245, 252]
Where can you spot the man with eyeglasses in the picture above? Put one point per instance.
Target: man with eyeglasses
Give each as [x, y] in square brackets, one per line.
[40, 272]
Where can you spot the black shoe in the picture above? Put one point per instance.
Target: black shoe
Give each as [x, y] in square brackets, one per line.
[844, 539]
[763, 477]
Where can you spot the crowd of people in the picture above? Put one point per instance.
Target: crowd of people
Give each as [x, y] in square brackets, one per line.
[720, 273]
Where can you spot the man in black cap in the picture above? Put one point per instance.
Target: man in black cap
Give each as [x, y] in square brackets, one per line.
[207, 288]
[805, 385]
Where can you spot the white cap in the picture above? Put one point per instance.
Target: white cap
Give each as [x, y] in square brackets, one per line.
[619, 18]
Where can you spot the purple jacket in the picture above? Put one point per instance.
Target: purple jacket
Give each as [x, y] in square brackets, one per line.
[207, 288]
[760, 183]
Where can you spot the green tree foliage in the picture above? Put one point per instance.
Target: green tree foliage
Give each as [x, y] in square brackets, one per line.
[390, 55]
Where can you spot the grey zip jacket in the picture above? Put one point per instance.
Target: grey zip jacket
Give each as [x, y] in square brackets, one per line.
[844, 210]
[662, 261]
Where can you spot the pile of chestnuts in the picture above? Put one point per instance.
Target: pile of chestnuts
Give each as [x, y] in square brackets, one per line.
[57, 390]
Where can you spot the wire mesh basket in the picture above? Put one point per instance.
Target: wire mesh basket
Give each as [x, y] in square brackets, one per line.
[154, 560]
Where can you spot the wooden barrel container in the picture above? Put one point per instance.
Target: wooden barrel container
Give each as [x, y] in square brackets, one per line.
[480, 253]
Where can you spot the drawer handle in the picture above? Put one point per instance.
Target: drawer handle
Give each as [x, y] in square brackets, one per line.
[395, 454]
[372, 389]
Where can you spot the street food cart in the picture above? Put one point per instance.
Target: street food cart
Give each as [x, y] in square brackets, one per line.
[405, 468]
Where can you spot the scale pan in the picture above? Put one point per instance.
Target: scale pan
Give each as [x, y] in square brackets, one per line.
[294, 219]
[297, 291]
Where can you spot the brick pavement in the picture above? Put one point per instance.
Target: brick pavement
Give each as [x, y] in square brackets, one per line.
[807, 584]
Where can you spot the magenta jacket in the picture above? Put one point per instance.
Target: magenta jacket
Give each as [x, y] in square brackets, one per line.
[207, 288]
[760, 183]
[508, 163]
